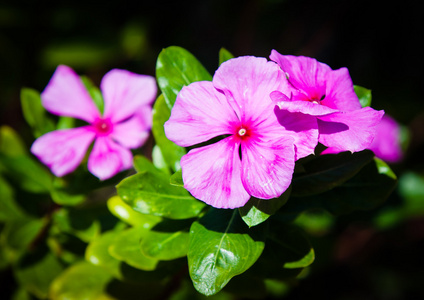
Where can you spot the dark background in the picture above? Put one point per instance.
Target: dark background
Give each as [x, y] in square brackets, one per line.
[380, 42]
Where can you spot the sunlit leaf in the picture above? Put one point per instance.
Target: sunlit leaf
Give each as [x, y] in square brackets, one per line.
[221, 247]
[364, 95]
[177, 179]
[224, 55]
[175, 68]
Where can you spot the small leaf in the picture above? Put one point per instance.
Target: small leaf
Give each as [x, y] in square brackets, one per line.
[177, 179]
[364, 95]
[171, 152]
[221, 247]
[34, 112]
[175, 68]
[257, 211]
[81, 281]
[224, 55]
[94, 92]
[11, 145]
[126, 247]
[9, 209]
[150, 193]
[168, 240]
[328, 171]
[125, 213]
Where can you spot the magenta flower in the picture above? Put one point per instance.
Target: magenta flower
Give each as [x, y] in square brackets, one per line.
[256, 154]
[328, 95]
[125, 123]
[386, 144]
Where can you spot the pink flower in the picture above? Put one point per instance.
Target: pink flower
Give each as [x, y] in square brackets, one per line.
[386, 144]
[125, 123]
[258, 146]
[327, 94]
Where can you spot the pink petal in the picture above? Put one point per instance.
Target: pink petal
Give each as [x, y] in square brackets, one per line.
[349, 131]
[386, 144]
[108, 158]
[305, 107]
[213, 174]
[247, 83]
[267, 168]
[63, 150]
[125, 92]
[66, 95]
[340, 93]
[200, 113]
[133, 132]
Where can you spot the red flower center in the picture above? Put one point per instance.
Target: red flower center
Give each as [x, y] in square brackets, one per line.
[103, 126]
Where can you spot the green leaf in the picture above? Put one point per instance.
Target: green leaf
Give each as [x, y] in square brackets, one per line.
[367, 189]
[171, 152]
[142, 164]
[221, 247]
[150, 193]
[257, 210]
[175, 68]
[94, 92]
[9, 209]
[19, 234]
[34, 112]
[81, 281]
[36, 271]
[63, 194]
[224, 55]
[168, 240]
[364, 95]
[177, 179]
[126, 247]
[11, 145]
[125, 213]
[325, 172]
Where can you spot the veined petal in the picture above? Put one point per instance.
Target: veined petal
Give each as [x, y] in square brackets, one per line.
[213, 174]
[66, 95]
[340, 94]
[267, 168]
[349, 131]
[200, 113]
[247, 82]
[305, 107]
[125, 92]
[63, 150]
[133, 132]
[108, 158]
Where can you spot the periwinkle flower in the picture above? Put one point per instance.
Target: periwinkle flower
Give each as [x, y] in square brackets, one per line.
[328, 95]
[259, 144]
[124, 125]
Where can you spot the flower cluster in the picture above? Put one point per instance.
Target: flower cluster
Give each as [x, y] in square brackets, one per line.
[260, 143]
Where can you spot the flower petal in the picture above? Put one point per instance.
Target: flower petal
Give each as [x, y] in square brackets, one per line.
[200, 113]
[247, 82]
[349, 131]
[213, 174]
[108, 158]
[133, 132]
[305, 107]
[267, 168]
[66, 95]
[125, 92]
[386, 144]
[63, 150]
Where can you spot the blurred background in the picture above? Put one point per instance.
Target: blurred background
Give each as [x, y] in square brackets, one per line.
[380, 42]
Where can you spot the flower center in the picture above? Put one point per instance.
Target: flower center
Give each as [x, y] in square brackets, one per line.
[241, 132]
[103, 126]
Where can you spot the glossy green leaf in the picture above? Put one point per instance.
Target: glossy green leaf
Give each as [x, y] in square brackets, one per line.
[126, 247]
[9, 209]
[177, 179]
[171, 152]
[367, 189]
[36, 271]
[168, 240]
[325, 172]
[81, 281]
[224, 55]
[34, 112]
[150, 193]
[175, 68]
[221, 247]
[125, 213]
[364, 95]
[142, 164]
[257, 210]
